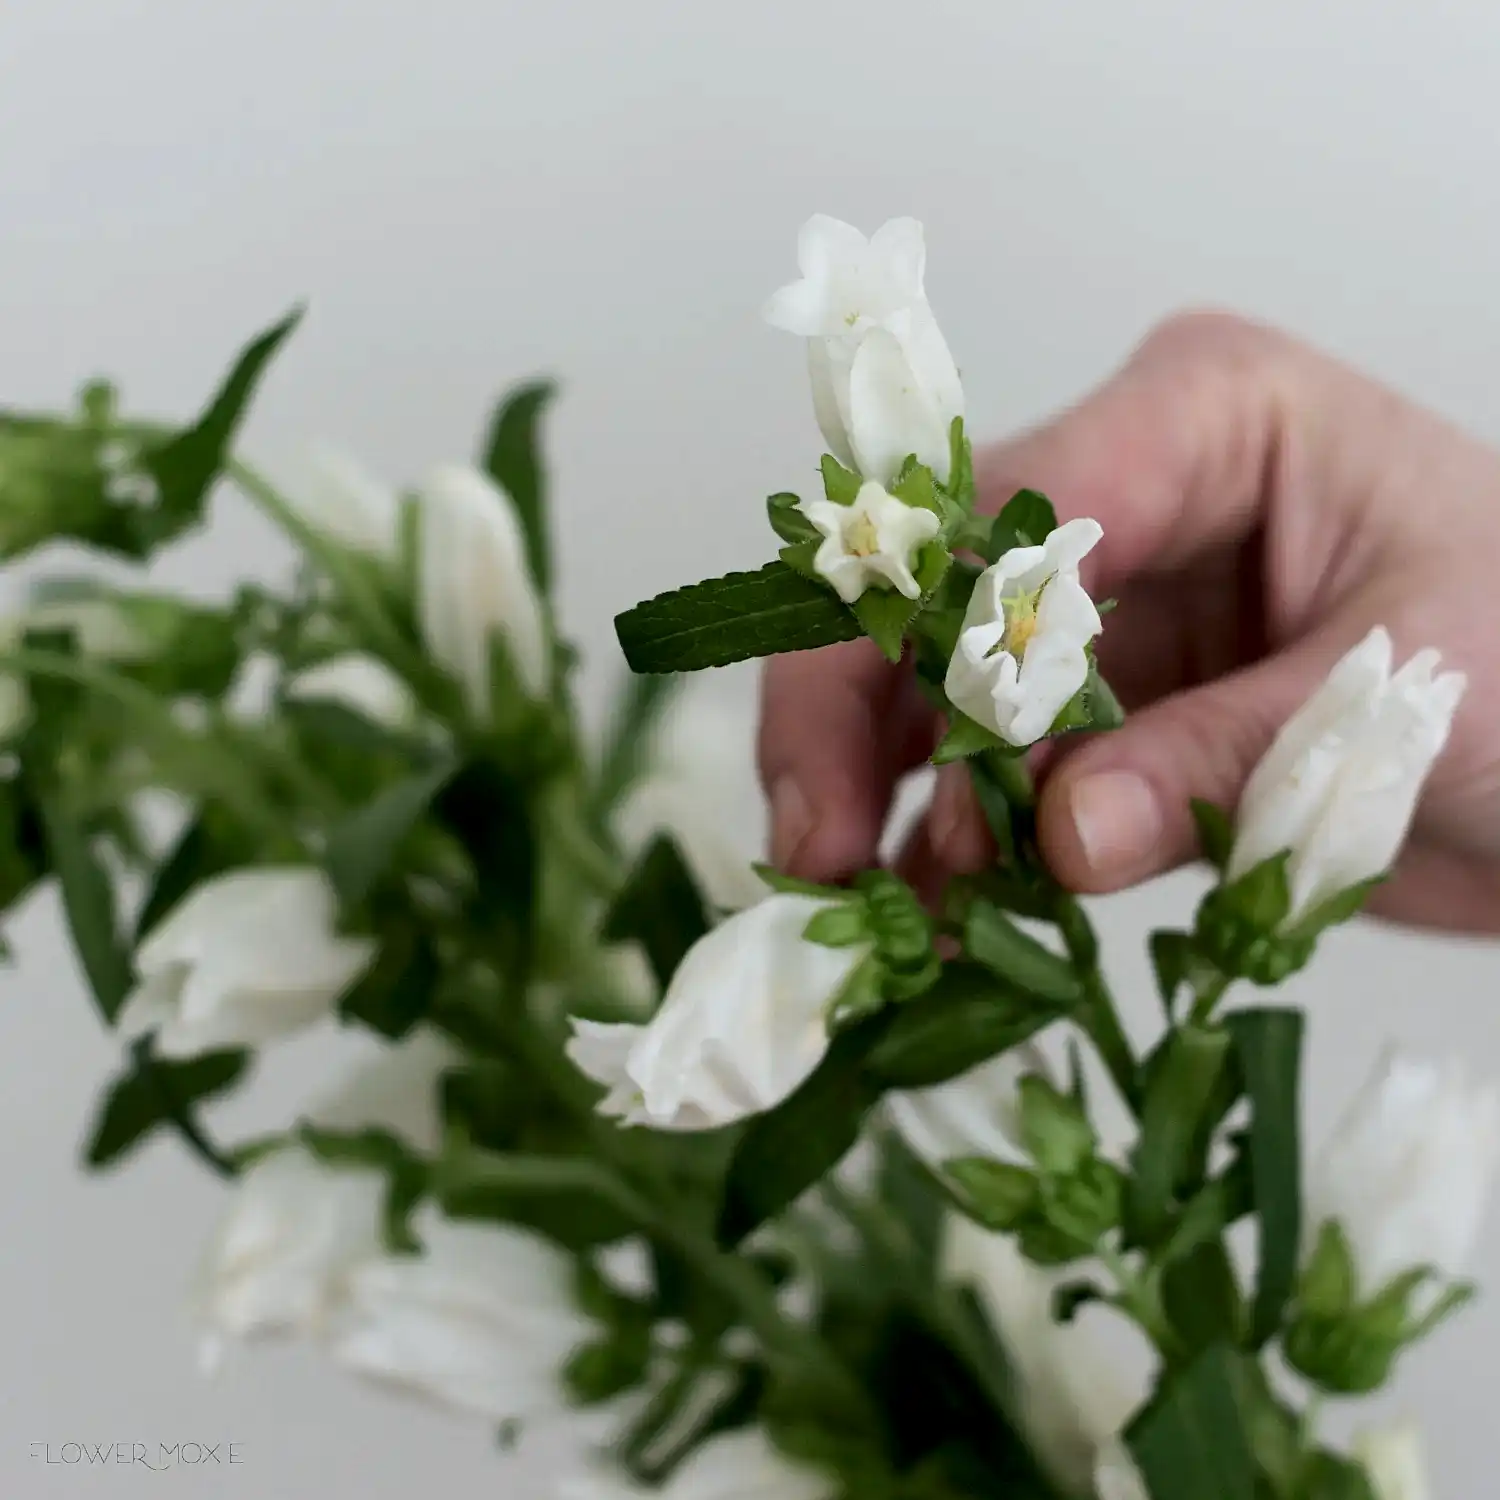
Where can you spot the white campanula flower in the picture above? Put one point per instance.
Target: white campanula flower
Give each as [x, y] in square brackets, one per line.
[359, 682]
[1074, 1399]
[871, 543]
[297, 1226]
[1408, 1170]
[244, 958]
[884, 382]
[976, 1114]
[1340, 783]
[475, 586]
[1395, 1459]
[1020, 655]
[740, 1465]
[742, 1024]
[483, 1319]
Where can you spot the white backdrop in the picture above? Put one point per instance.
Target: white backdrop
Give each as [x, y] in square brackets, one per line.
[468, 191]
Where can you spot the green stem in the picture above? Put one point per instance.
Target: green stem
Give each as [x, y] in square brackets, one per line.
[1207, 992]
[181, 1118]
[1136, 1298]
[1098, 1016]
[1012, 775]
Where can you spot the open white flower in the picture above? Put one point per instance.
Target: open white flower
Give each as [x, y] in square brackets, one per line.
[742, 1024]
[1074, 1400]
[297, 1226]
[740, 1465]
[361, 682]
[482, 1319]
[884, 382]
[244, 958]
[1408, 1170]
[975, 1114]
[1395, 1459]
[872, 542]
[475, 586]
[1340, 783]
[1021, 656]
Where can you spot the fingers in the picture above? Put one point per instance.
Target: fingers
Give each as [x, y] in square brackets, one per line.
[838, 727]
[1115, 810]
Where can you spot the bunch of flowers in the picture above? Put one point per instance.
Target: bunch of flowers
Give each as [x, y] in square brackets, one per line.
[780, 1181]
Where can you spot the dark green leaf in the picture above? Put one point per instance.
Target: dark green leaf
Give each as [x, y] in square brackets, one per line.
[1190, 1442]
[784, 1152]
[628, 743]
[490, 815]
[89, 903]
[1179, 1093]
[1027, 520]
[966, 1018]
[729, 619]
[964, 738]
[996, 807]
[336, 724]
[1202, 1299]
[153, 1092]
[186, 466]
[205, 848]
[661, 907]
[360, 850]
[512, 458]
[394, 993]
[1172, 962]
[1268, 1043]
[1215, 832]
[24, 859]
[841, 485]
[788, 519]
[992, 939]
[884, 616]
[1327, 1476]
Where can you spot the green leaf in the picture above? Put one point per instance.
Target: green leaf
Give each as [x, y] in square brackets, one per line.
[966, 1018]
[992, 939]
[788, 519]
[661, 907]
[784, 1152]
[394, 993]
[512, 458]
[917, 487]
[1190, 1443]
[1327, 1476]
[960, 465]
[1179, 1094]
[1268, 1042]
[964, 738]
[1215, 832]
[205, 848]
[361, 849]
[791, 885]
[1026, 521]
[841, 485]
[997, 1194]
[1057, 1134]
[327, 722]
[1175, 960]
[1201, 1297]
[841, 926]
[89, 904]
[732, 618]
[490, 815]
[186, 466]
[155, 1091]
[886, 615]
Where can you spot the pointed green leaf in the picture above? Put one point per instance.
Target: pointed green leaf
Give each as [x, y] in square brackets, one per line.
[396, 991]
[1215, 832]
[360, 849]
[1201, 1297]
[1026, 520]
[788, 519]
[841, 485]
[917, 487]
[963, 739]
[661, 907]
[1268, 1043]
[512, 457]
[186, 466]
[992, 939]
[153, 1092]
[1190, 1443]
[88, 898]
[732, 618]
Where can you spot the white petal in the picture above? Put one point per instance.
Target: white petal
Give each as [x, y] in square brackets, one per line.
[972, 1115]
[932, 363]
[1067, 545]
[977, 680]
[395, 1089]
[345, 503]
[829, 376]
[827, 246]
[899, 248]
[152, 1003]
[1116, 1476]
[1394, 1457]
[361, 682]
[890, 414]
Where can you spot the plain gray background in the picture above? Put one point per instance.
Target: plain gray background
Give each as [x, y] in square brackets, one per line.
[469, 191]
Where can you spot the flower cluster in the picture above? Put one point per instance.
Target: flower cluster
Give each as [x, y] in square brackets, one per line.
[776, 1191]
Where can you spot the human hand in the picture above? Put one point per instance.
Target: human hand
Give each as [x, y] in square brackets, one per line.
[1263, 507]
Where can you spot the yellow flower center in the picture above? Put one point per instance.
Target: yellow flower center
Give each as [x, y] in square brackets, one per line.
[1020, 621]
[860, 537]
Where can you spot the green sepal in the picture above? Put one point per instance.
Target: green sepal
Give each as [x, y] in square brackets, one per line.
[997, 1194]
[788, 520]
[840, 485]
[960, 466]
[1058, 1135]
[1026, 520]
[1215, 831]
[841, 926]
[964, 738]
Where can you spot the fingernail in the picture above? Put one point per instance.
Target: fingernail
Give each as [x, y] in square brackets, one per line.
[791, 821]
[1118, 822]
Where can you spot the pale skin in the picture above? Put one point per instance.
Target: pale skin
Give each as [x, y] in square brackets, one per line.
[1263, 507]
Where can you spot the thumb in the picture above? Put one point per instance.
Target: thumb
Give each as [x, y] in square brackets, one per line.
[1115, 810]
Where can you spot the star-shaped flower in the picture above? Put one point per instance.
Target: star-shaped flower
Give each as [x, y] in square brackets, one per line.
[871, 542]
